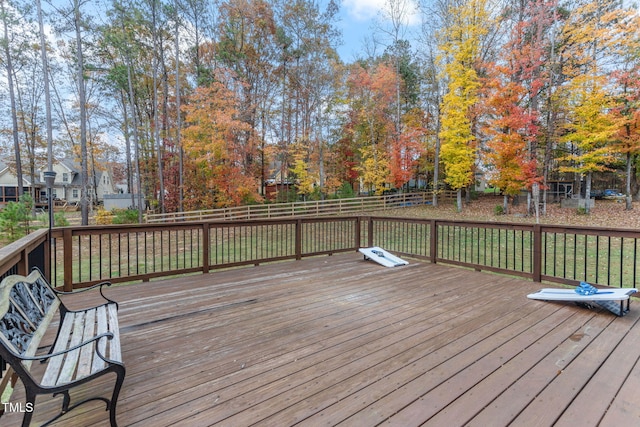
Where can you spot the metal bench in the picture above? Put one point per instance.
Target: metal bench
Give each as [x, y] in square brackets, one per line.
[87, 343]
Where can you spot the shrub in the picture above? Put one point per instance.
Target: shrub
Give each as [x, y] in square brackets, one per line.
[12, 219]
[124, 216]
[498, 210]
[60, 220]
[15, 218]
[346, 191]
[104, 217]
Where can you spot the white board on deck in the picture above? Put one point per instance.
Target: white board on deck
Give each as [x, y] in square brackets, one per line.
[553, 294]
[382, 257]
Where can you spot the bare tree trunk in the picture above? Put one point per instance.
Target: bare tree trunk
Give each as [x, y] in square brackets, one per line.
[135, 140]
[127, 140]
[156, 120]
[627, 191]
[47, 102]
[587, 194]
[12, 97]
[179, 120]
[84, 174]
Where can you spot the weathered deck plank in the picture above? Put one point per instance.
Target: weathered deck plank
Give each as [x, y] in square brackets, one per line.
[341, 341]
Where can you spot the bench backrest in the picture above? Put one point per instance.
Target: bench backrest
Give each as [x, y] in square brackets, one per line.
[27, 305]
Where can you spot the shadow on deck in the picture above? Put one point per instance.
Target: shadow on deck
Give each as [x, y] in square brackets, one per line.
[342, 341]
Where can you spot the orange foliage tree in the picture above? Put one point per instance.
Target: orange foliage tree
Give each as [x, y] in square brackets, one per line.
[508, 155]
[214, 172]
[370, 124]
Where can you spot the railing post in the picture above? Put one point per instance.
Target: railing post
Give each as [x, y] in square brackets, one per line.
[370, 232]
[206, 244]
[358, 232]
[433, 241]
[537, 253]
[23, 264]
[67, 250]
[48, 251]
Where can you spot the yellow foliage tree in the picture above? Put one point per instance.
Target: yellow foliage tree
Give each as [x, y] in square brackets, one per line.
[374, 168]
[304, 177]
[593, 33]
[460, 46]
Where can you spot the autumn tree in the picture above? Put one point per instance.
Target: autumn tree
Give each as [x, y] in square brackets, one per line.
[512, 99]
[247, 46]
[627, 100]
[215, 175]
[591, 130]
[304, 176]
[627, 109]
[512, 167]
[370, 122]
[309, 71]
[460, 46]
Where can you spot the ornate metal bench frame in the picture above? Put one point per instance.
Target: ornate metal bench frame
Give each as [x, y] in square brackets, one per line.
[87, 343]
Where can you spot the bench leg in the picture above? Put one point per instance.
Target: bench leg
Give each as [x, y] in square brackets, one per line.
[31, 404]
[120, 371]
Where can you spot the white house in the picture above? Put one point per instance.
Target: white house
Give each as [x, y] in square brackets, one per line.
[67, 186]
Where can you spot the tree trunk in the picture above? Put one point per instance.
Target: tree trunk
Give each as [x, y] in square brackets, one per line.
[627, 192]
[12, 99]
[47, 102]
[587, 194]
[156, 120]
[84, 174]
[179, 121]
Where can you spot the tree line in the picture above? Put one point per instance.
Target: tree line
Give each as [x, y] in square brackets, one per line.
[203, 103]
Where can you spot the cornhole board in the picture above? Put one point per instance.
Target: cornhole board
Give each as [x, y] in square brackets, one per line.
[382, 257]
[612, 298]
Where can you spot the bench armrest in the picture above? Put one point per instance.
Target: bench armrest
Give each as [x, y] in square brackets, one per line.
[90, 288]
[108, 335]
[97, 285]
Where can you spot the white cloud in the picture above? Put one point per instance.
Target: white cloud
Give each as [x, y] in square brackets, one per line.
[365, 10]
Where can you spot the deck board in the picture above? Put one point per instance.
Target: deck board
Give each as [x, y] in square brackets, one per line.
[337, 340]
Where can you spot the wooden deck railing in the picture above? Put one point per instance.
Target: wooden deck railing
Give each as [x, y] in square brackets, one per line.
[125, 253]
[21, 256]
[551, 253]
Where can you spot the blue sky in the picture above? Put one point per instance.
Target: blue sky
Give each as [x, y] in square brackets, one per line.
[357, 22]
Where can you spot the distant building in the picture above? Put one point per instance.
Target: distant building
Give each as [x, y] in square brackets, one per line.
[67, 187]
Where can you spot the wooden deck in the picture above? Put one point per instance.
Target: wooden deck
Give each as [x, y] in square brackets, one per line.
[338, 340]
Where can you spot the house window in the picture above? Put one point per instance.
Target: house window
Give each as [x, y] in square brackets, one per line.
[75, 193]
[65, 177]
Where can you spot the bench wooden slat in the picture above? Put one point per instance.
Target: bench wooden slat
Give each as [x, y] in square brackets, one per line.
[101, 315]
[50, 377]
[71, 359]
[87, 351]
[114, 345]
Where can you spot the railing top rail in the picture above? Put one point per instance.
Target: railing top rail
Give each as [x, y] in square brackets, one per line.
[126, 228]
[12, 253]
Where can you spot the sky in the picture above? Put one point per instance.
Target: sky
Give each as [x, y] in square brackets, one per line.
[357, 21]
